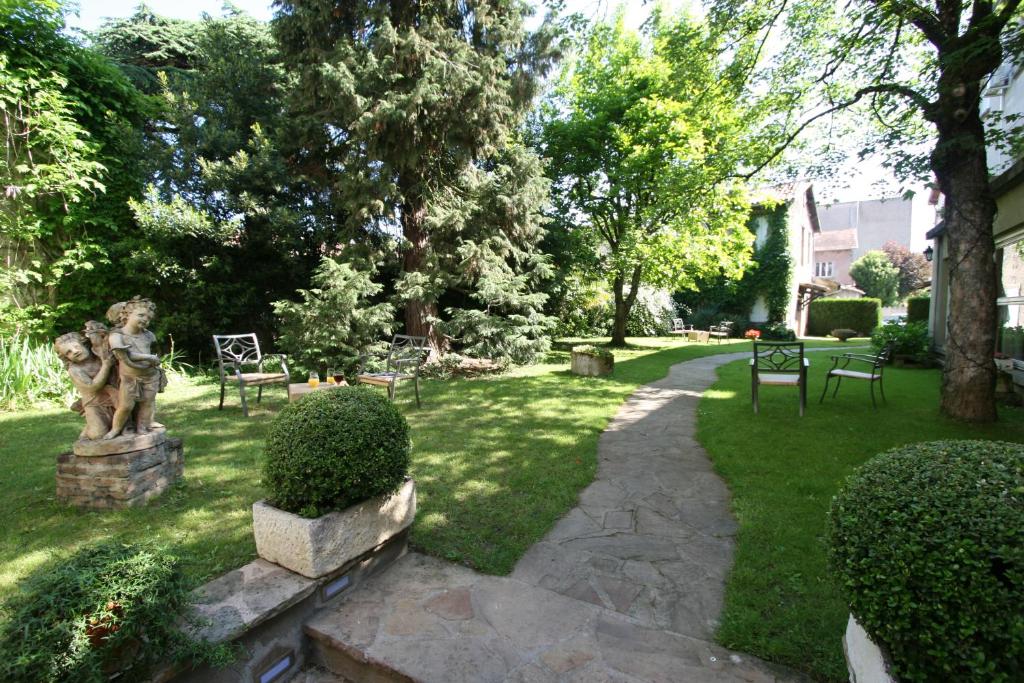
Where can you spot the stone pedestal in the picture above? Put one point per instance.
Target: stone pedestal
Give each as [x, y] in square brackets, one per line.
[119, 473]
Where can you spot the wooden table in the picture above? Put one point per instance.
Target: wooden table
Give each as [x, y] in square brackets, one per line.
[299, 389]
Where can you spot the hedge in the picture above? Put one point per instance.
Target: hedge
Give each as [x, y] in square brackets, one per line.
[917, 309]
[862, 315]
[927, 542]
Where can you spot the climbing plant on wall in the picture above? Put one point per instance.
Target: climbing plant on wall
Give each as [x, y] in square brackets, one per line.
[771, 273]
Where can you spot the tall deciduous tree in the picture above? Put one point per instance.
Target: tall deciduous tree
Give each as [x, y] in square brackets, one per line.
[407, 109]
[642, 133]
[918, 69]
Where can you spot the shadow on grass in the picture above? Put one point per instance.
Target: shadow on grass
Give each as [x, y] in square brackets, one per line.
[497, 459]
[783, 470]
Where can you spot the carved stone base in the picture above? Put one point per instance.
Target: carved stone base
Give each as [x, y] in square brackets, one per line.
[121, 479]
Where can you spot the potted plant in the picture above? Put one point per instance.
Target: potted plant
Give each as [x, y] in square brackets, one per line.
[910, 343]
[336, 475]
[843, 334]
[591, 361]
[927, 543]
[752, 334]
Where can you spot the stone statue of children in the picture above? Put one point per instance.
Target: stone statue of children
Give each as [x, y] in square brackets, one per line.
[90, 375]
[140, 375]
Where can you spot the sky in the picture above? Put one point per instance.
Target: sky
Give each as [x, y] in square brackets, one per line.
[864, 179]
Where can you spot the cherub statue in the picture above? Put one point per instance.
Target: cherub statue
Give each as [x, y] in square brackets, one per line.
[139, 370]
[90, 375]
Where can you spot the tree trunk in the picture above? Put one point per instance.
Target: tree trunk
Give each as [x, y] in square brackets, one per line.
[959, 163]
[418, 312]
[623, 304]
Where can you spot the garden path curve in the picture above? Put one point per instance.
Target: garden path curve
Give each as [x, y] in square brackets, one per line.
[627, 587]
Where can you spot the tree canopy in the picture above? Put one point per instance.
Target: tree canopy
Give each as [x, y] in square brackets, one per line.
[916, 70]
[408, 113]
[642, 135]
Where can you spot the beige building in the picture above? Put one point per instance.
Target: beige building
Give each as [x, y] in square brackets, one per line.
[833, 255]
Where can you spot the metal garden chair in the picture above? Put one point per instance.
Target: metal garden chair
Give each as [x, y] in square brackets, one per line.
[866, 367]
[405, 357]
[779, 364]
[235, 351]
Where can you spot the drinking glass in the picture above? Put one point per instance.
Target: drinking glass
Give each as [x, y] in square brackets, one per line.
[330, 376]
[314, 379]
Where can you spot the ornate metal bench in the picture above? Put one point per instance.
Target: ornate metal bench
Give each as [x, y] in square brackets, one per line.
[867, 367]
[779, 364]
[237, 350]
[405, 357]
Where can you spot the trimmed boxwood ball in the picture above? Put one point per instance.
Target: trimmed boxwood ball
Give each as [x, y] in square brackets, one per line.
[333, 449]
[927, 541]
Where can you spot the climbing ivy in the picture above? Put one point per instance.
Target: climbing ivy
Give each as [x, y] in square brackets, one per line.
[771, 273]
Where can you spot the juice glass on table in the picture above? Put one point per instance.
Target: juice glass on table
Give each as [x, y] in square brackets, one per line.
[330, 376]
[314, 380]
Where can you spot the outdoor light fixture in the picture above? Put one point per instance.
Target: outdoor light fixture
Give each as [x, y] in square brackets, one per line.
[928, 254]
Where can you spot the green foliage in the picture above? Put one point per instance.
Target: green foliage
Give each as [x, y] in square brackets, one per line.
[843, 334]
[769, 275]
[583, 308]
[594, 351]
[335, 321]
[31, 373]
[651, 314]
[862, 315]
[910, 339]
[420, 104]
[877, 276]
[333, 449]
[640, 133]
[928, 544]
[109, 608]
[228, 222]
[915, 273]
[918, 308]
[70, 123]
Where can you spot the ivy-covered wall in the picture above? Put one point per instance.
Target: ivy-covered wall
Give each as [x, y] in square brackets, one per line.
[770, 275]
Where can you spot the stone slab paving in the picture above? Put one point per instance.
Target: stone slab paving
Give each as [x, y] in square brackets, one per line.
[625, 588]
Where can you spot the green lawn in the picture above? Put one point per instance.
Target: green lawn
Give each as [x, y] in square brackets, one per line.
[497, 462]
[783, 471]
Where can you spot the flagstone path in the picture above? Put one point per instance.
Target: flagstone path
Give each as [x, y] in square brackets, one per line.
[625, 588]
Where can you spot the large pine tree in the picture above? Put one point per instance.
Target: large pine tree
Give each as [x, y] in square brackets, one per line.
[410, 107]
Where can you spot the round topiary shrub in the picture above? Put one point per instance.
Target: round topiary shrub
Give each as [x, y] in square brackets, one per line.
[928, 544]
[332, 449]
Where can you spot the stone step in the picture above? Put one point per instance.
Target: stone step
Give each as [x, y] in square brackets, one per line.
[429, 621]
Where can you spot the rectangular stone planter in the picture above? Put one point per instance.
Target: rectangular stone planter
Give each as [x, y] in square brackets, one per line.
[591, 366]
[865, 661]
[317, 547]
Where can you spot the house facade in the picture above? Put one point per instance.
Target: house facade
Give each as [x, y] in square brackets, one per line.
[796, 207]
[833, 254]
[851, 229]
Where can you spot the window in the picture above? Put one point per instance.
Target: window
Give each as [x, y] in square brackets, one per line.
[1011, 296]
[761, 231]
[824, 269]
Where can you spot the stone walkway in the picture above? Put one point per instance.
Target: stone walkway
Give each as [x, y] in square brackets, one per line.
[625, 588]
